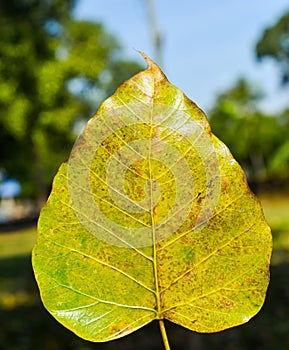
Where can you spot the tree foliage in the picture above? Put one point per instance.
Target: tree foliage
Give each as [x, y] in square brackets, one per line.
[274, 43]
[254, 137]
[54, 70]
[279, 162]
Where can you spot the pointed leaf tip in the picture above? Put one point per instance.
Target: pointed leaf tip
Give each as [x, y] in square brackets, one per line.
[148, 60]
[152, 65]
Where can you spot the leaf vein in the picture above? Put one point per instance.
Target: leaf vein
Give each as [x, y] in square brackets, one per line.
[208, 257]
[102, 263]
[71, 288]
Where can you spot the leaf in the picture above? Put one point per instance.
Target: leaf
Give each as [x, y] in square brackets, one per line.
[151, 218]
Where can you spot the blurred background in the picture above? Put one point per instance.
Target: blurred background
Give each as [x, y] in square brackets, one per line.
[59, 59]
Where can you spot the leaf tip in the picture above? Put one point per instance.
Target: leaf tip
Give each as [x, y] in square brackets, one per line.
[152, 65]
[149, 61]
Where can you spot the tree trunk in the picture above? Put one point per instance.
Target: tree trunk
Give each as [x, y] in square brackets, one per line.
[39, 177]
[259, 175]
[155, 32]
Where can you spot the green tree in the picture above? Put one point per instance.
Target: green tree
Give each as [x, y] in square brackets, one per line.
[54, 72]
[274, 43]
[251, 135]
[279, 163]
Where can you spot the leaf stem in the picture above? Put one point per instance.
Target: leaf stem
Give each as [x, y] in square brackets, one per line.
[164, 335]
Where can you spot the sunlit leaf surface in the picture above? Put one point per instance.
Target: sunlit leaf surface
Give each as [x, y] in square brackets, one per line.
[151, 218]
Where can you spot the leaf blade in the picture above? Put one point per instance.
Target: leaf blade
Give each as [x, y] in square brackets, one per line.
[149, 215]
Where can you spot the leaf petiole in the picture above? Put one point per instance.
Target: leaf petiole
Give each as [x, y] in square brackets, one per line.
[164, 335]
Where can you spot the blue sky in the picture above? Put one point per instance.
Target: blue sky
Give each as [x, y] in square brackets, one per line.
[207, 44]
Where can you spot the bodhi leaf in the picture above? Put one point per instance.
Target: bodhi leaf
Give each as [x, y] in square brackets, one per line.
[150, 219]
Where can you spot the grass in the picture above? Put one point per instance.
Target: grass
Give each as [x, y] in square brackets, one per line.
[276, 210]
[15, 250]
[13, 244]
[28, 326]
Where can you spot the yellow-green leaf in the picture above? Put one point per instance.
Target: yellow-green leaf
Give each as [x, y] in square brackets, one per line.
[151, 218]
